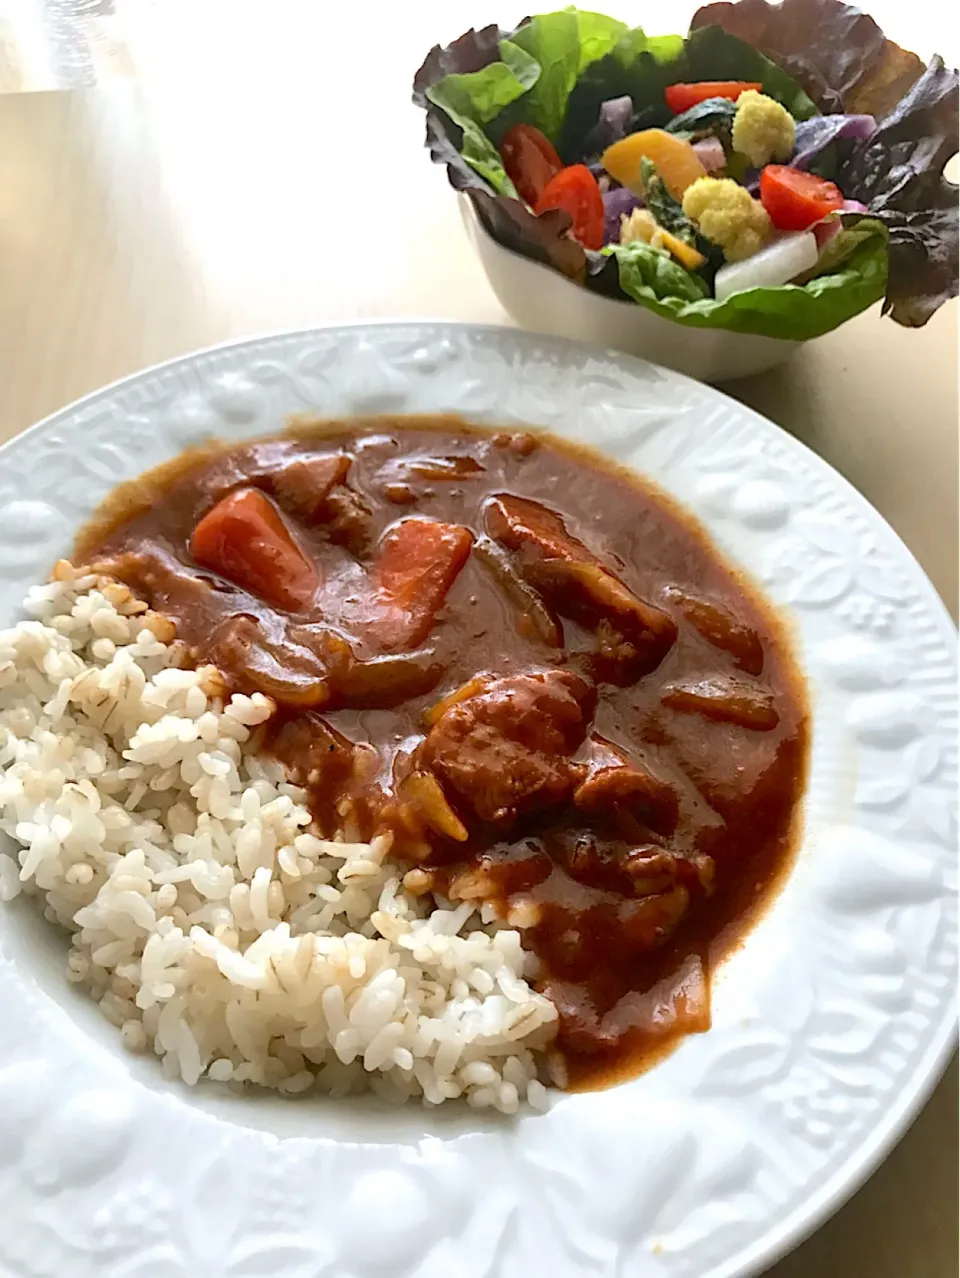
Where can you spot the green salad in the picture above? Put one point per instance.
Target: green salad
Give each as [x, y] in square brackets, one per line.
[775, 171]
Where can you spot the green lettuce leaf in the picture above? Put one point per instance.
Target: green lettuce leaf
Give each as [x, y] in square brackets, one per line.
[714, 115]
[473, 51]
[473, 99]
[647, 273]
[642, 66]
[794, 312]
[710, 53]
[458, 86]
[856, 229]
[564, 44]
[538, 63]
[556, 69]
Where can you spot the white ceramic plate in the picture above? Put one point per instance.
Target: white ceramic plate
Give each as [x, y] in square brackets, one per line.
[831, 1025]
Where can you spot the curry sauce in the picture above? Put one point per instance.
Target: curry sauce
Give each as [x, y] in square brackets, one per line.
[529, 666]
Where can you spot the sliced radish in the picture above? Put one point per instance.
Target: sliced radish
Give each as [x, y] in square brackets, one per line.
[774, 265]
[711, 154]
[827, 230]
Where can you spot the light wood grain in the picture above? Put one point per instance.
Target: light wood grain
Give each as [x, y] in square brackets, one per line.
[176, 209]
[135, 229]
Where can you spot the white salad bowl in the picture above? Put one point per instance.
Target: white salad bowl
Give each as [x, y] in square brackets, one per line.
[541, 299]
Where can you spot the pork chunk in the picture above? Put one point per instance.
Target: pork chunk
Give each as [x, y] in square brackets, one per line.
[304, 486]
[506, 747]
[315, 491]
[613, 779]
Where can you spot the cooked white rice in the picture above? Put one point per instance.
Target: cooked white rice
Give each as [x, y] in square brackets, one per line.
[208, 919]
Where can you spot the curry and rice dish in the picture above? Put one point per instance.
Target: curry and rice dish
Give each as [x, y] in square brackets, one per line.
[402, 755]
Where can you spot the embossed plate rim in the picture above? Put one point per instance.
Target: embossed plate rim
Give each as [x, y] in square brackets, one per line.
[762, 1241]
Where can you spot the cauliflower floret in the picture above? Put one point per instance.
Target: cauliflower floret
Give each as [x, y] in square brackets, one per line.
[638, 227]
[763, 130]
[727, 214]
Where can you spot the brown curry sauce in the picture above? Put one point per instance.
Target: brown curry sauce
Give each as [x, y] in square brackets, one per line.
[653, 786]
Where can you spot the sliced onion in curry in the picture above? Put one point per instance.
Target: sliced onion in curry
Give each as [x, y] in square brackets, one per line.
[533, 615]
[725, 701]
[720, 628]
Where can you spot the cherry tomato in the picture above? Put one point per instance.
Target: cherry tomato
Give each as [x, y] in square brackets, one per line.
[530, 160]
[245, 539]
[796, 199]
[574, 189]
[681, 97]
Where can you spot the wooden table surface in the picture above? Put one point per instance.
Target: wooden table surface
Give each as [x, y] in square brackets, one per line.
[236, 171]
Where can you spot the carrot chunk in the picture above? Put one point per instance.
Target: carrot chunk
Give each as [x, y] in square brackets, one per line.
[244, 539]
[417, 562]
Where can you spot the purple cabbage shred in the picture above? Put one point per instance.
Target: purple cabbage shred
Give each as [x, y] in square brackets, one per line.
[617, 203]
